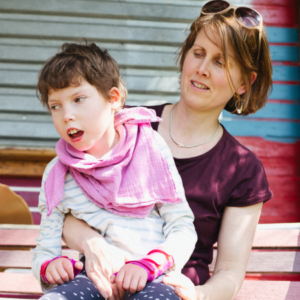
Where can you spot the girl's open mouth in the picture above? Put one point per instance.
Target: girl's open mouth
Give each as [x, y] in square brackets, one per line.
[75, 134]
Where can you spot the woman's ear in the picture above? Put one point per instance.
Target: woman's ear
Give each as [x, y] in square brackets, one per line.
[115, 98]
[243, 88]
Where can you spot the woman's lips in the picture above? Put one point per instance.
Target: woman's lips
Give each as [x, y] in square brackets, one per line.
[200, 85]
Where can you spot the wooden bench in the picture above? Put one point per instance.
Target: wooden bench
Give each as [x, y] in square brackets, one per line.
[273, 270]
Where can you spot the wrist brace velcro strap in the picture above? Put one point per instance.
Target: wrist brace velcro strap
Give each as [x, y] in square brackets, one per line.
[153, 268]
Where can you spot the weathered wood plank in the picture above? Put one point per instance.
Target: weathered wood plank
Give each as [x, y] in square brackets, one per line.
[129, 55]
[281, 166]
[70, 28]
[259, 262]
[263, 128]
[18, 237]
[29, 104]
[28, 129]
[281, 14]
[272, 111]
[13, 297]
[28, 154]
[271, 262]
[22, 259]
[263, 148]
[137, 81]
[284, 53]
[269, 290]
[19, 283]
[284, 236]
[106, 9]
[22, 168]
[251, 290]
[113, 30]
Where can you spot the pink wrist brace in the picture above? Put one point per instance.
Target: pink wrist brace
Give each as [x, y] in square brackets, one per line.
[152, 268]
[47, 262]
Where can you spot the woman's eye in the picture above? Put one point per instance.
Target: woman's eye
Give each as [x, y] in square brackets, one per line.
[79, 99]
[219, 63]
[197, 54]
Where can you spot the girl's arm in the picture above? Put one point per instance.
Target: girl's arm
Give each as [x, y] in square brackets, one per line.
[101, 259]
[49, 240]
[234, 247]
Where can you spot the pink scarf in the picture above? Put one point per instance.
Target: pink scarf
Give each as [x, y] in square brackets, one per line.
[128, 180]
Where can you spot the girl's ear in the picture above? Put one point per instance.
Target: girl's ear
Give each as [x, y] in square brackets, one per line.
[115, 98]
[243, 88]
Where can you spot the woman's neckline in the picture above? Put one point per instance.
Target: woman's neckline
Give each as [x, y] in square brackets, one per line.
[203, 155]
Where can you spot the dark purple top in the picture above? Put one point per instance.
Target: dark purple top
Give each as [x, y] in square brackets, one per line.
[227, 175]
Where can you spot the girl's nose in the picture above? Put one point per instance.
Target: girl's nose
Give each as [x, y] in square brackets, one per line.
[68, 115]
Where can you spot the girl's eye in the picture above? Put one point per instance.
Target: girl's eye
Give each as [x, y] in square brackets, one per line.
[79, 99]
[54, 107]
[219, 63]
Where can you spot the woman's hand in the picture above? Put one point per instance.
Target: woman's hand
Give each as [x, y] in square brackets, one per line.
[101, 261]
[184, 288]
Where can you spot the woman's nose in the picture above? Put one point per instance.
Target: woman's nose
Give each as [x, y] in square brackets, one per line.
[203, 68]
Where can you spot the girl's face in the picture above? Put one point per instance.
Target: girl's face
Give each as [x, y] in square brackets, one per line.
[83, 117]
[203, 81]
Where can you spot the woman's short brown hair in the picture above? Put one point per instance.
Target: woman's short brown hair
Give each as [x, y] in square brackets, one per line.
[244, 43]
[76, 62]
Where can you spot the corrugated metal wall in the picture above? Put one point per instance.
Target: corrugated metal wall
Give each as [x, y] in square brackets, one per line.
[143, 37]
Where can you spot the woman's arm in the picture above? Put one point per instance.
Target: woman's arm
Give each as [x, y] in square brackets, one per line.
[101, 259]
[234, 247]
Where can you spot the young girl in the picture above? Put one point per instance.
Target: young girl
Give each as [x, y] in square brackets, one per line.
[112, 171]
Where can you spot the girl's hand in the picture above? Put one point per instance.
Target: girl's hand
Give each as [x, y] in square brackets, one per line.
[60, 271]
[130, 278]
[184, 288]
[101, 261]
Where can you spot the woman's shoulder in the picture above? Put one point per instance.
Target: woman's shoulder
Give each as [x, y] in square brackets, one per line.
[237, 151]
[246, 173]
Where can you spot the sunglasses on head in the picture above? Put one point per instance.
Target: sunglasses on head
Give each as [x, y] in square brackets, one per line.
[245, 16]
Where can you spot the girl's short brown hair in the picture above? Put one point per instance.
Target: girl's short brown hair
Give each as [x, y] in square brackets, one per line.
[76, 62]
[244, 43]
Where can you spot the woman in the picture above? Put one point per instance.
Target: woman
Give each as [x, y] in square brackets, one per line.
[224, 63]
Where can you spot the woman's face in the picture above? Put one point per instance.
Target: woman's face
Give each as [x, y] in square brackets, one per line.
[203, 81]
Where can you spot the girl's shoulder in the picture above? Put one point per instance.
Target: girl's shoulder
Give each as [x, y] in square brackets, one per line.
[49, 167]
